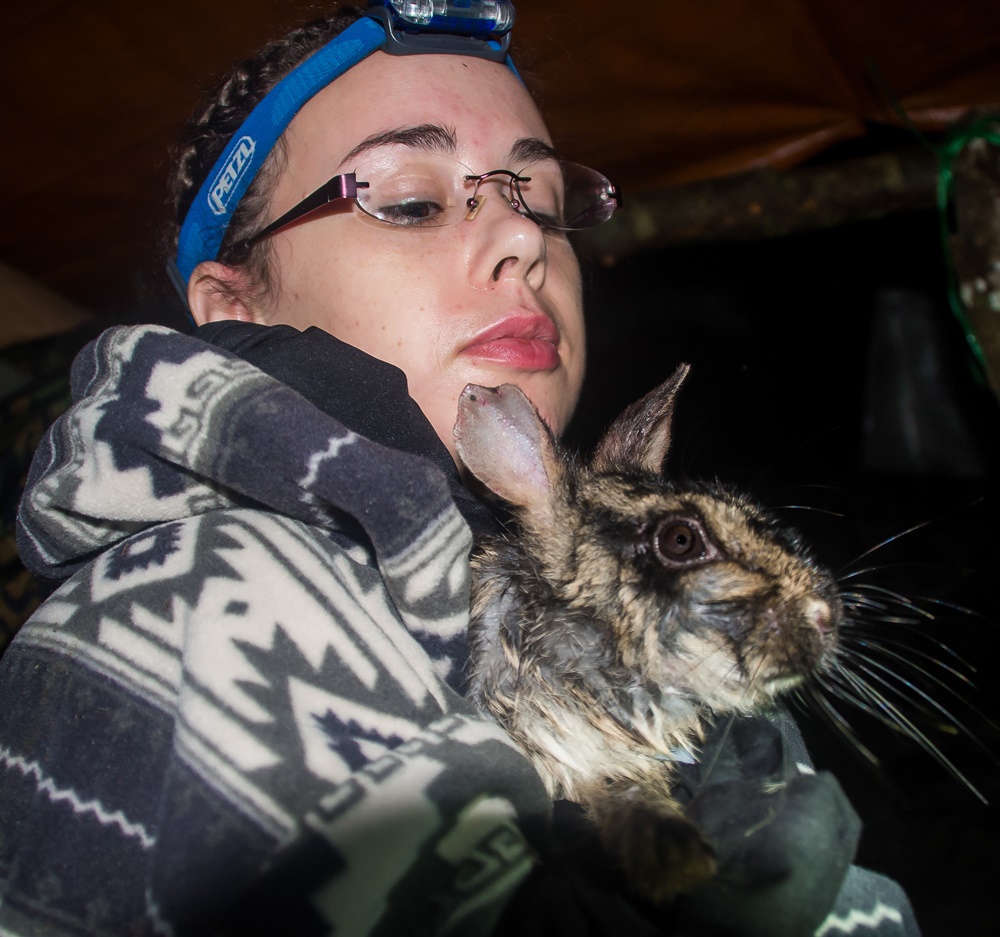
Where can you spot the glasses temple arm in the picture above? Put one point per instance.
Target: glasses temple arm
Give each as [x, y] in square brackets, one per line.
[342, 186]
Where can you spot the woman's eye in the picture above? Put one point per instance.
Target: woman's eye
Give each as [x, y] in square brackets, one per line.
[545, 210]
[411, 212]
[544, 196]
[411, 195]
[544, 215]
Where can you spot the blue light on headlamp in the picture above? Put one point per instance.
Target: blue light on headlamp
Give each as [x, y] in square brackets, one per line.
[479, 28]
[475, 17]
[414, 26]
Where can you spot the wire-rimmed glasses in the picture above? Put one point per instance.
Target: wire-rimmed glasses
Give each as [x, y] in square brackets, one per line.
[415, 189]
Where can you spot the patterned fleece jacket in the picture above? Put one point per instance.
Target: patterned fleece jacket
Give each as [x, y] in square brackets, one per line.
[240, 710]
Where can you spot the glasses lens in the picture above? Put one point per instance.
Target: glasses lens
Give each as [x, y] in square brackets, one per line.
[416, 191]
[567, 196]
[430, 190]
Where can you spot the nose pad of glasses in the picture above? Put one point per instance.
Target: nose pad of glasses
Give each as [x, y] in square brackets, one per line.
[474, 204]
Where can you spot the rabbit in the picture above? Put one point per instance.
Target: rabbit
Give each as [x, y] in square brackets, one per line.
[626, 612]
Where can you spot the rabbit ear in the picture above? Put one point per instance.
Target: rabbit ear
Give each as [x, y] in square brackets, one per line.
[640, 437]
[503, 441]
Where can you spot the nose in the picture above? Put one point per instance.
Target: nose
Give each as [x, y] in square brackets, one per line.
[820, 614]
[503, 244]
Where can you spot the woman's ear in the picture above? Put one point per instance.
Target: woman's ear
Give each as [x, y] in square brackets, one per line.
[217, 292]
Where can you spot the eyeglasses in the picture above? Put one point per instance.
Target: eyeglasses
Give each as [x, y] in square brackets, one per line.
[431, 190]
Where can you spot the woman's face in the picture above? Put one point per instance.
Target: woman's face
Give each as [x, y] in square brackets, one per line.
[490, 300]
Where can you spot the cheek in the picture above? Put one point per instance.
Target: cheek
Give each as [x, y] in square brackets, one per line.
[567, 290]
[355, 286]
[564, 284]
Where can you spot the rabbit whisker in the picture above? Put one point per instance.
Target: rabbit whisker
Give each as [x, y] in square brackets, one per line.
[894, 718]
[847, 573]
[855, 631]
[835, 683]
[914, 693]
[908, 622]
[709, 766]
[910, 530]
[818, 702]
[953, 607]
[887, 647]
[811, 508]
[859, 600]
[894, 596]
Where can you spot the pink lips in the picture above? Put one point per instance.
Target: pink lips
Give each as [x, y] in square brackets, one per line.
[523, 342]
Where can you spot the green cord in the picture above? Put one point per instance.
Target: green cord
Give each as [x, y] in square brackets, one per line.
[953, 145]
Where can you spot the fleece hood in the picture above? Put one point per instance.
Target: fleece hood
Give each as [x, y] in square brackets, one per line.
[166, 426]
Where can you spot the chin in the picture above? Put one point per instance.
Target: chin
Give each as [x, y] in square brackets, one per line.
[555, 405]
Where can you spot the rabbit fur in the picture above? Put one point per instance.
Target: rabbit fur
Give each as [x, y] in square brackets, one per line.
[626, 611]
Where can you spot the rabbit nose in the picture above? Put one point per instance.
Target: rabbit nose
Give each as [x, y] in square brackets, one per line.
[819, 614]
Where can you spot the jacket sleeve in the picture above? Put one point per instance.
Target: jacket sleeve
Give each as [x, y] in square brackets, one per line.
[224, 725]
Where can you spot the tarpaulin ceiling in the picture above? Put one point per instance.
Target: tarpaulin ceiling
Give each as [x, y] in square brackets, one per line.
[678, 90]
[654, 94]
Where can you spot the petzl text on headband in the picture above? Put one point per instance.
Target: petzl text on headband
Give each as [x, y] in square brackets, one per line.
[479, 28]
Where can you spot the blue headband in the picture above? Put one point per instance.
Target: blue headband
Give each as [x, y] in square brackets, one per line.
[212, 209]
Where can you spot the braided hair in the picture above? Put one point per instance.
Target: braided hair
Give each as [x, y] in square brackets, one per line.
[214, 123]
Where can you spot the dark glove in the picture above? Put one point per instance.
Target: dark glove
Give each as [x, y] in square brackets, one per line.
[784, 839]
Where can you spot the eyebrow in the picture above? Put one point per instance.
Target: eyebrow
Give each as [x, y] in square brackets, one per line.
[434, 138]
[428, 137]
[531, 150]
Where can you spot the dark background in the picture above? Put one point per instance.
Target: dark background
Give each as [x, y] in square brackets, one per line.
[829, 373]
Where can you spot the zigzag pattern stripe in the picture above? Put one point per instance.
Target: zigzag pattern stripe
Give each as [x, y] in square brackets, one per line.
[858, 918]
[48, 786]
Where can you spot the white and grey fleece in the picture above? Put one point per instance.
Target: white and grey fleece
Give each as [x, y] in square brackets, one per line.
[240, 713]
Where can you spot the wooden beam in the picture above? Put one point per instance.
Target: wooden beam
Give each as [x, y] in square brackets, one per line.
[768, 203]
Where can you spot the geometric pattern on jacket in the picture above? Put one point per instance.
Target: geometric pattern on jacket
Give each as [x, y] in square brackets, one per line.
[249, 684]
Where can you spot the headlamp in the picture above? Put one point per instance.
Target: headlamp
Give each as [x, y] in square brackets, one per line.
[414, 26]
[479, 28]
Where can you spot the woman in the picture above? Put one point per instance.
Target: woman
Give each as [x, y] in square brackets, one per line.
[242, 710]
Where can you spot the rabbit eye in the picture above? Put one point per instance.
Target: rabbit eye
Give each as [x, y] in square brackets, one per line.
[681, 542]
